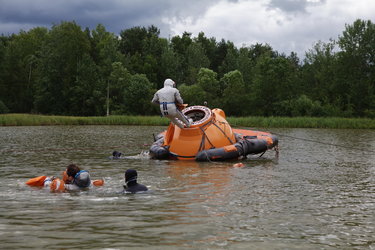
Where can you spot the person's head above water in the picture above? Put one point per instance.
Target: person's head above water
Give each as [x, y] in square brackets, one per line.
[131, 177]
[116, 154]
[131, 185]
[78, 177]
[72, 170]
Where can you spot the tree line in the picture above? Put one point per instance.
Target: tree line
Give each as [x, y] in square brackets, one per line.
[67, 70]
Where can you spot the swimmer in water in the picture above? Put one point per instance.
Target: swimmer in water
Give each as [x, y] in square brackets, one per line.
[131, 185]
[77, 178]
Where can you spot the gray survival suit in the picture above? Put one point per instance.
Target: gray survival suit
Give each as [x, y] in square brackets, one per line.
[81, 180]
[131, 182]
[167, 98]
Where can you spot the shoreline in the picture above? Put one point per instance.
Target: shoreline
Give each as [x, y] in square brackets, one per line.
[263, 122]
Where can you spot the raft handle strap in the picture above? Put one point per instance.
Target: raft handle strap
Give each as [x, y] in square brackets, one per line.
[204, 136]
[224, 133]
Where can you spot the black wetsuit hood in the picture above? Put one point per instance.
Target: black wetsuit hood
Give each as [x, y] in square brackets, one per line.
[131, 184]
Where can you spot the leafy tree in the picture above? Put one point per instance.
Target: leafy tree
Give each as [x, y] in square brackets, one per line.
[132, 40]
[356, 75]
[196, 59]
[67, 70]
[170, 66]
[275, 80]
[119, 79]
[180, 44]
[245, 65]
[106, 47]
[86, 96]
[60, 57]
[19, 69]
[144, 48]
[3, 108]
[207, 80]
[234, 97]
[319, 72]
[209, 46]
[192, 94]
[247, 59]
[259, 50]
[3, 85]
[230, 61]
[137, 95]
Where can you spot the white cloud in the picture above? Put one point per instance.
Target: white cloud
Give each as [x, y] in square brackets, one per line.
[257, 21]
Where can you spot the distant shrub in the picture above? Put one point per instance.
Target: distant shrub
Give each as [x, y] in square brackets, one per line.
[3, 108]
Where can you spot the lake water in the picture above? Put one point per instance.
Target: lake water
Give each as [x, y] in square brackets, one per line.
[312, 196]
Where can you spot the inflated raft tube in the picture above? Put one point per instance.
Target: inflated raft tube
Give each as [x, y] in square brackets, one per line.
[243, 148]
[158, 151]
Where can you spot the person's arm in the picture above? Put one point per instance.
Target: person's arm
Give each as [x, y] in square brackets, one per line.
[155, 100]
[71, 187]
[178, 98]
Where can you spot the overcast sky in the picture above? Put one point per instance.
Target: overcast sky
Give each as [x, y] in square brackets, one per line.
[286, 25]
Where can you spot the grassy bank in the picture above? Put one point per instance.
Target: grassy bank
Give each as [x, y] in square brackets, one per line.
[261, 122]
[304, 122]
[43, 120]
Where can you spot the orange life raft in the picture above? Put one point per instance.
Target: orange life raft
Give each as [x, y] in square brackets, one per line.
[209, 138]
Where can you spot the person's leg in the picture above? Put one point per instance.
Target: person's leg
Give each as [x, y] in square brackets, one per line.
[183, 118]
[177, 117]
[176, 121]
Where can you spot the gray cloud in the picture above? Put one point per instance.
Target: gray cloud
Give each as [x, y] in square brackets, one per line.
[115, 15]
[294, 6]
[287, 25]
[289, 5]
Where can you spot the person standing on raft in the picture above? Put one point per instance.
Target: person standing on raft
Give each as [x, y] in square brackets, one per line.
[167, 98]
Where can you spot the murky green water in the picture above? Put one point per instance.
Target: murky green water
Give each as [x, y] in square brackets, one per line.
[313, 196]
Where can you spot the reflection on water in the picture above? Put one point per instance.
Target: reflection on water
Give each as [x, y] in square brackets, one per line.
[314, 195]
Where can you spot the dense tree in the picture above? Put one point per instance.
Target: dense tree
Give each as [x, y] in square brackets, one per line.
[85, 96]
[275, 80]
[192, 94]
[196, 59]
[207, 80]
[318, 72]
[19, 69]
[132, 40]
[68, 70]
[61, 55]
[234, 95]
[230, 61]
[356, 74]
[137, 95]
[170, 66]
[119, 78]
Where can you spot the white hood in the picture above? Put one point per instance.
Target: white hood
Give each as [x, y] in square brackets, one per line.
[169, 83]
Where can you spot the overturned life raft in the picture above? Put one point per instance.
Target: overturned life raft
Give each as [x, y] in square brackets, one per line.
[209, 138]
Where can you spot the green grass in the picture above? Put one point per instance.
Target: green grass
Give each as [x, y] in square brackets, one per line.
[42, 120]
[262, 122]
[303, 122]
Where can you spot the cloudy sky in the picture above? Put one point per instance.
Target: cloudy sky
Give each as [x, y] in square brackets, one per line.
[286, 25]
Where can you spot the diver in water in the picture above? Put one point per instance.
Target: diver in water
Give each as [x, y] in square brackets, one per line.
[116, 155]
[131, 185]
[76, 178]
[167, 98]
